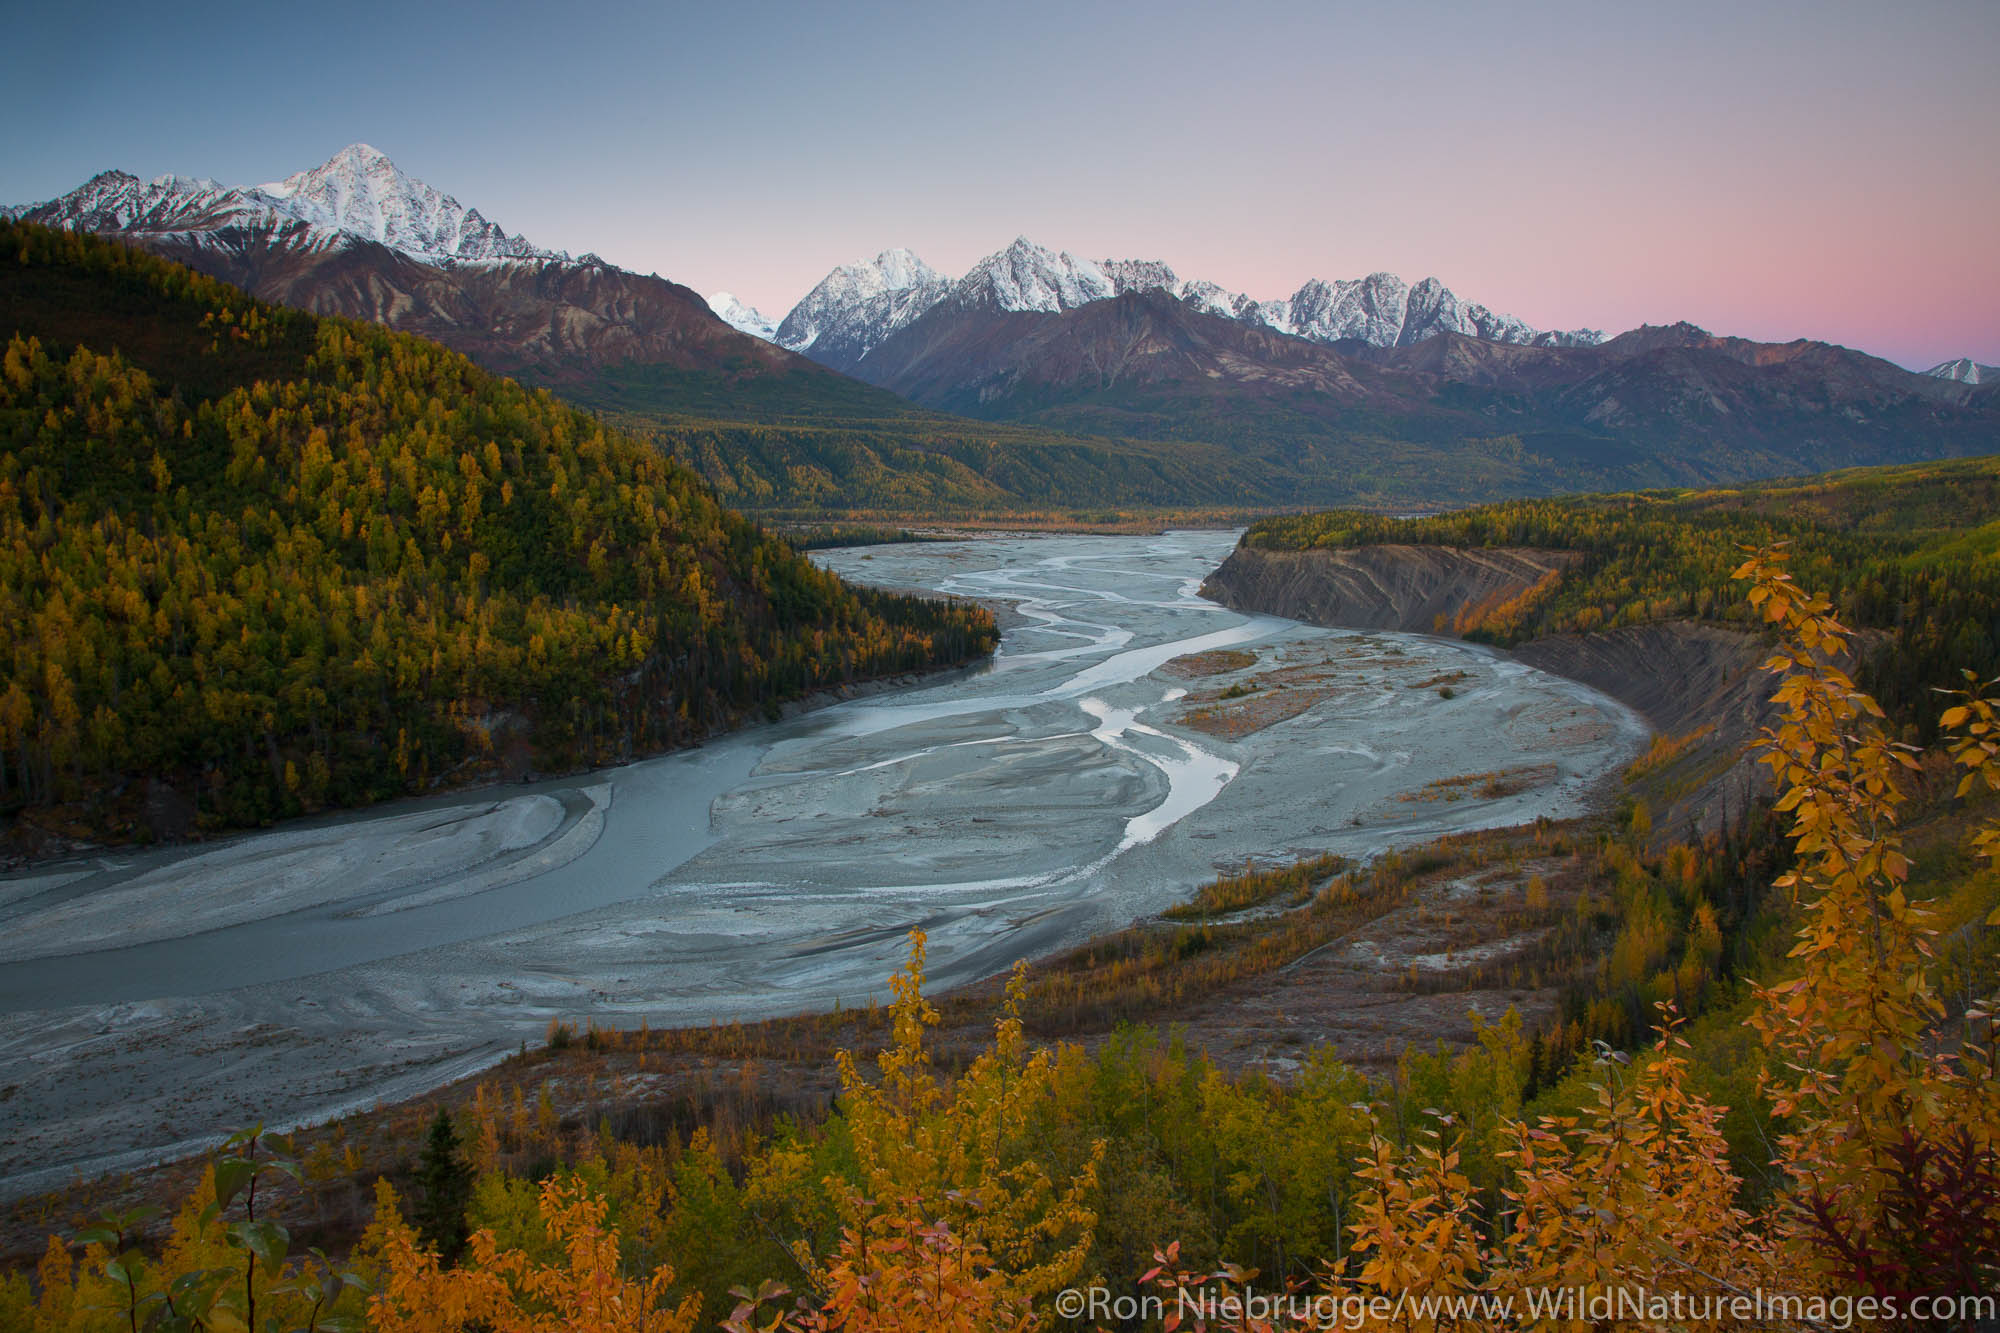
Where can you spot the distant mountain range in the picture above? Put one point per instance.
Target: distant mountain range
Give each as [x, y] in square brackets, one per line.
[857, 307]
[1038, 379]
[357, 236]
[1658, 405]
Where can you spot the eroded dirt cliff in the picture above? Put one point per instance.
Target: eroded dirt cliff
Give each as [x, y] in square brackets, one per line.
[1418, 588]
[1704, 690]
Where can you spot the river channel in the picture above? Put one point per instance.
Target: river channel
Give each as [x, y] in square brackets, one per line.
[1091, 774]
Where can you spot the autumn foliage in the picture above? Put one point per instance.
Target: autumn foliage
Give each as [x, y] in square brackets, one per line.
[507, 1291]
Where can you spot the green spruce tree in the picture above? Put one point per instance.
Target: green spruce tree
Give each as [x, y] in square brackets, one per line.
[446, 1181]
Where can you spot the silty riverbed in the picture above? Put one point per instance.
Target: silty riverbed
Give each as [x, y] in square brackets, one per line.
[1074, 784]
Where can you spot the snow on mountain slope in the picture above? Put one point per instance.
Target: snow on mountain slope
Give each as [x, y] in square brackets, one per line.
[1966, 371]
[857, 306]
[1373, 309]
[1214, 299]
[1027, 277]
[744, 318]
[1140, 275]
[357, 193]
[360, 192]
[120, 201]
[1380, 309]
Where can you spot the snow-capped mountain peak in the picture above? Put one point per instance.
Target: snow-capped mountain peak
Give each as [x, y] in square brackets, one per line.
[113, 200]
[858, 305]
[1141, 275]
[1966, 371]
[889, 272]
[1372, 309]
[1029, 277]
[900, 269]
[188, 184]
[744, 318]
[360, 192]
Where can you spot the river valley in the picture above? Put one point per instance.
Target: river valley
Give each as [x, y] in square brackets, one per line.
[1129, 741]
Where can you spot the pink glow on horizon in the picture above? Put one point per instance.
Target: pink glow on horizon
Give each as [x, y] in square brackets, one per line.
[1916, 305]
[1886, 271]
[1793, 168]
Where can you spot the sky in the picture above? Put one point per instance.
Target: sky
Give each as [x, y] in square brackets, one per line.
[1771, 170]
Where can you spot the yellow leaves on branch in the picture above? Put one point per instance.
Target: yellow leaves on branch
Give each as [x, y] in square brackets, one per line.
[1855, 1065]
[1634, 1191]
[968, 1156]
[1974, 742]
[956, 1222]
[506, 1291]
[895, 1272]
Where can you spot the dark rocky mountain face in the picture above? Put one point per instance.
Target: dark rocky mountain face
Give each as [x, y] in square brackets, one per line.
[977, 360]
[551, 320]
[1658, 405]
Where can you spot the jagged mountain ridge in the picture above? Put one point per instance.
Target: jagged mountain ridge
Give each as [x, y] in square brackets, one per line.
[768, 429]
[356, 194]
[982, 361]
[1222, 400]
[552, 321]
[857, 306]
[360, 192]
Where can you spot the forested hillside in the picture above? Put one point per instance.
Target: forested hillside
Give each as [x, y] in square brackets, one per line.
[1912, 551]
[255, 562]
[933, 468]
[803, 447]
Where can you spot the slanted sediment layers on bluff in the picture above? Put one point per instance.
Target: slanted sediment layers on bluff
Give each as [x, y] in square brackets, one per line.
[1424, 589]
[1690, 680]
[1698, 681]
